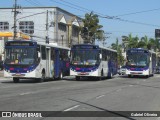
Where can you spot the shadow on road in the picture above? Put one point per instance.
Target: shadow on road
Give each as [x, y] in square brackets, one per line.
[29, 81]
[114, 113]
[136, 76]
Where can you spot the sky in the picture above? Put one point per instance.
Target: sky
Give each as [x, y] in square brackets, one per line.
[138, 17]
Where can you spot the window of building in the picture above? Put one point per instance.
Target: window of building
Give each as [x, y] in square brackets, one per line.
[4, 26]
[26, 27]
[75, 31]
[62, 27]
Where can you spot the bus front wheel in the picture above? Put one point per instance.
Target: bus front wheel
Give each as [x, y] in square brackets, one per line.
[15, 80]
[42, 77]
[60, 76]
[110, 75]
[78, 78]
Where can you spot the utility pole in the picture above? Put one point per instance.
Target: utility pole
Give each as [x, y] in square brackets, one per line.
[15, 7]
[62, 39]
[47, 28]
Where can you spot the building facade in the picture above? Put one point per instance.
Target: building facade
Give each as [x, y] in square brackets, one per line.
[59, 26]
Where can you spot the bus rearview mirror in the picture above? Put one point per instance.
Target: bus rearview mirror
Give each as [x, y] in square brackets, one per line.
[100, 56]
[68, 53]
[39, 54]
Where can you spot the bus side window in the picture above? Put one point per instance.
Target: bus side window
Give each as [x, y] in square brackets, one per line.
[107, 54]
[43, 52]
[52, 54]
[38, 48]
[64, 55]
[103, 55]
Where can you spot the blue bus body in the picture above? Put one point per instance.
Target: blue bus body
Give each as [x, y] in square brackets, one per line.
[29, 59]
[92, 61]
[141, 62]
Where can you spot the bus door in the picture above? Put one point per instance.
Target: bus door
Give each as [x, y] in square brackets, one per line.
[57, 63]
[48, 61]
[52, 65]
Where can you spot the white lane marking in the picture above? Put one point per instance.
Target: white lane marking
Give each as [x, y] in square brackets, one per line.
[100, 96]
[130, 85]
[72, 108]
[25, 93]
[119, 90]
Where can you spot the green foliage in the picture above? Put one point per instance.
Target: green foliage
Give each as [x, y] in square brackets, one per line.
[144, 42]
[118, 47]
[91, 23]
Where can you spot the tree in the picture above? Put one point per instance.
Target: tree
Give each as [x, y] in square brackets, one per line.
[118, 47]
[132, 41]
[92, 28]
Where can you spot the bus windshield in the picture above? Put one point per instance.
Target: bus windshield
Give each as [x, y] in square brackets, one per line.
[137, 59]
[85, 57]
[20, 56]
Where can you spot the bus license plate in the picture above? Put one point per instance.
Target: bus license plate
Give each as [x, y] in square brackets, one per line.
[18, 74]
[83, 73]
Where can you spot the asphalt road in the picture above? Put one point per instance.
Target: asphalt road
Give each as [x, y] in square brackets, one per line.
[118, 94]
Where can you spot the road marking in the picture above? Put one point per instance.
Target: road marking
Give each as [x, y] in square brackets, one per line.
[25, 93]
[100, 96]
[72, 108]
[130, 85]
[119, 90]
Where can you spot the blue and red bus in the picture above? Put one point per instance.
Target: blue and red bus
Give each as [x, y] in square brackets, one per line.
[92, 61]
[140, 62]
[25, 59]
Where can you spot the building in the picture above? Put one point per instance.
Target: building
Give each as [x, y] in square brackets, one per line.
[60, 26]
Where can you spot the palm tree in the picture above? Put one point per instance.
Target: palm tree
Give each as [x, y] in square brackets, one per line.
[91, 23]
[118, 47]
[115, 45]
[145, 42]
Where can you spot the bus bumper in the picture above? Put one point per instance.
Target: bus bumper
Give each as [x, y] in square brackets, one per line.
[20, 75]
[140, 73]
[93, 73]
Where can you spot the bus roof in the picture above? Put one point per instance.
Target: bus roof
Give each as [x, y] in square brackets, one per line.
[39, 43]
[101, 47]
[55, 46]
[108, 49]
[151, 51]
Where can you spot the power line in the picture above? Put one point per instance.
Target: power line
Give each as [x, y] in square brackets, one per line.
[87, 10]
[30, 15]
[33, 3]
[129, 21]
[110, 17]
[132, 13]
[68, 6]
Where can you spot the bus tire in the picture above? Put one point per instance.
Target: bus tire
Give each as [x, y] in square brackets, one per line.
[60, 76]
[147, 76]
[78, 78]
[42, 77]
[16, 80]
[111, 75]
[129, 76]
